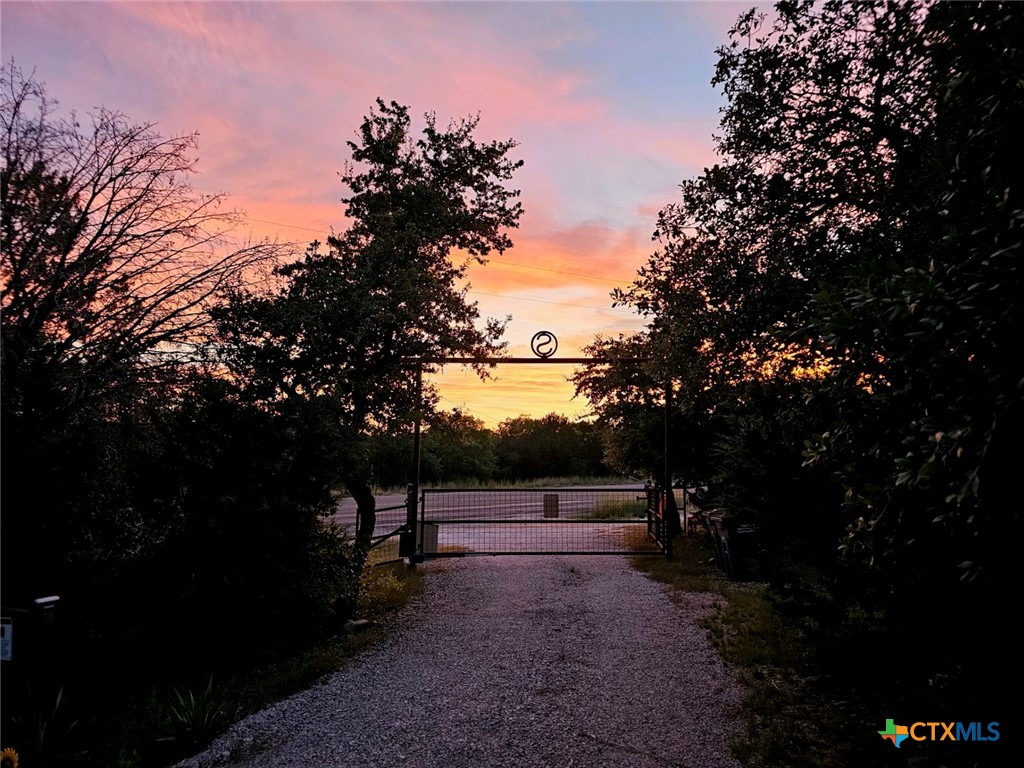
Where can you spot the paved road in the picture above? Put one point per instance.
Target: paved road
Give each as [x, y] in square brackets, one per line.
[553, 662]
[515, 520]
[498, 504]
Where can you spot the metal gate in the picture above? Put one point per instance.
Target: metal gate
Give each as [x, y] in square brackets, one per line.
[637, 520]
[539, 521]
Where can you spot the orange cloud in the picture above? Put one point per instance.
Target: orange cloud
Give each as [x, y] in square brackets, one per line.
[515, 390]
[276, 89]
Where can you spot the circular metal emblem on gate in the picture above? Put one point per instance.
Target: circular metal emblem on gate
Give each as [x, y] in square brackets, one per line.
[544, 344]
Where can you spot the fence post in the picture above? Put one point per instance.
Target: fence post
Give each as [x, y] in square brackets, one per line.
[408, 542]
[669, 530]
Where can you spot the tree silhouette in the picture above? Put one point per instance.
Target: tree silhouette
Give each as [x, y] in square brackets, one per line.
[339, 332]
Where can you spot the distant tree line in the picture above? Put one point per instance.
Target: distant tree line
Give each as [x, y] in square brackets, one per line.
[838, 305]
[457, 447]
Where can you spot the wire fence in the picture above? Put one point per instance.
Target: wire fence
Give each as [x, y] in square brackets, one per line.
[454, 522]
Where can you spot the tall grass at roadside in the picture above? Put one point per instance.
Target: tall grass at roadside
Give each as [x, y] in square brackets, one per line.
[189, 719]
[388, 584]
[48, 732]
[616, 509]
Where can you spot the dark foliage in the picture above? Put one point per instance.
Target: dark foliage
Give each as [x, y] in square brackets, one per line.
[838, 299]
[552, 446]
[338, 331]
[182, 529]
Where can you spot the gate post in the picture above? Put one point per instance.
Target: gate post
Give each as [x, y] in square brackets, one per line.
[670, 513]
[407, 538]
[671, 509]
[407, 542]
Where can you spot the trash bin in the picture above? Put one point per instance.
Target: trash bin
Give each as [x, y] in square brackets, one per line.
[716, 531]
[742, 548]
[550, 505]
[733, 545]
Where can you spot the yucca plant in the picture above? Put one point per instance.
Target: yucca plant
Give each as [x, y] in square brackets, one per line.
[192, 720]
[47, 732]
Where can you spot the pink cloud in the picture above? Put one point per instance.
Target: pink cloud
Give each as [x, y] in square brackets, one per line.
[275, 90]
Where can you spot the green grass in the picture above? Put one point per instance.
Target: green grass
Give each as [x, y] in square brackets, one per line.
[769, 655]
[689, 570]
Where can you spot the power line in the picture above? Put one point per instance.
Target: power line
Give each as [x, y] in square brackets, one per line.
[614, 281]
[557, 303]
[282, 224]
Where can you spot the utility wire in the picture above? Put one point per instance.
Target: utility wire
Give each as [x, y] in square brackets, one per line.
[557, 303]
[612, 280]
[282, 224]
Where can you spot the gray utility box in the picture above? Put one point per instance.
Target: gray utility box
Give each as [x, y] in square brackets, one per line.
[550, 505]
[427, 534]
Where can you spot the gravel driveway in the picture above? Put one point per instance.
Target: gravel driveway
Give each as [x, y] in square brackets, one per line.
[517, 661]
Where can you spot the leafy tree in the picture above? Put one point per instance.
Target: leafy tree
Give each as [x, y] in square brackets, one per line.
[628, 391]
[845, 282]
[249, 539]
[137, 486]
[816, 145]
[928, 442]
[339, 333]
[940, 324]
[551, 446]
[457, 446]
[892, 126]
[389, 457]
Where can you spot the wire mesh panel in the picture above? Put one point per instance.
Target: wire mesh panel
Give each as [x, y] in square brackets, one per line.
[535, 521]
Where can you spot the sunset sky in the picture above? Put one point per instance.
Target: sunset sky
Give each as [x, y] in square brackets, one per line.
[610, 102]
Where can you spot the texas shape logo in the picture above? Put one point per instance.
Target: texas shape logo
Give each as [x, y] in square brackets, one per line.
[894, 733]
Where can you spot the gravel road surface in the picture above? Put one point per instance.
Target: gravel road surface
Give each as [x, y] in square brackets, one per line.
[547, 661]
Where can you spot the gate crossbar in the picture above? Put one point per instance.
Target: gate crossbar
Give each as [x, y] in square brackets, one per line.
[537, 521]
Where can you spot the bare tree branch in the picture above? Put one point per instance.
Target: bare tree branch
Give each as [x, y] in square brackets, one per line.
[111, 259]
